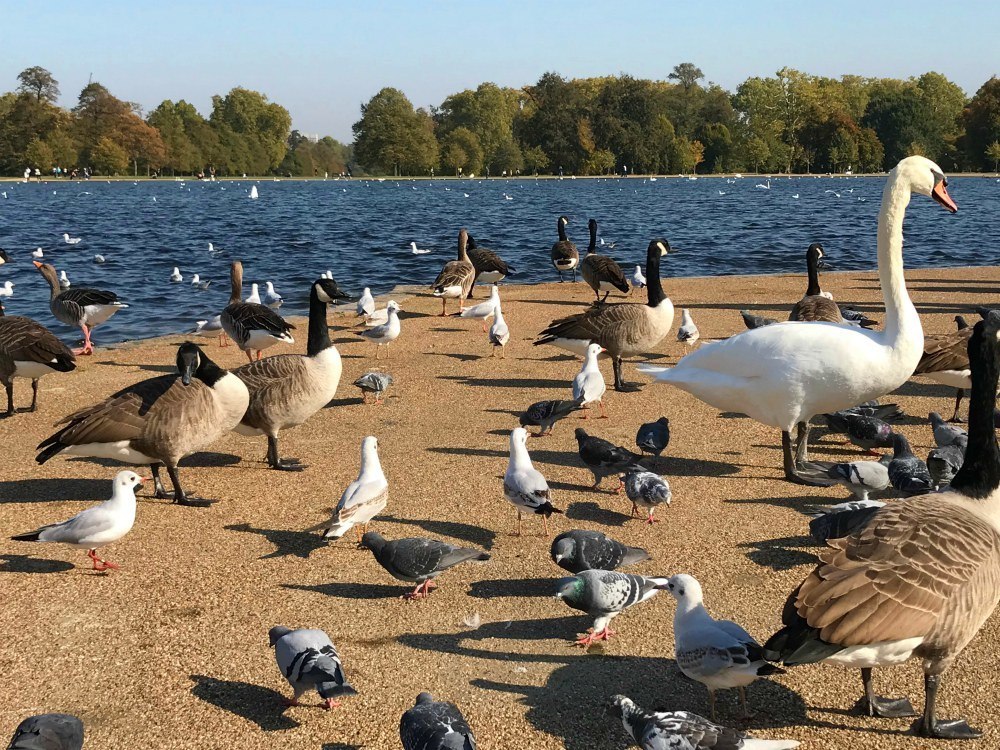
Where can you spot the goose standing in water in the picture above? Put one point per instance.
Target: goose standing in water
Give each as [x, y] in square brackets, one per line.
[490, 267]
[946, 361]
[624, 328]
[157, 422]
[600, 271]
[29, 350]
[919, 579]
[455, 279]
[83, 307]
[784, 374]
[287, 389]
[252, 326]
[565, 256]
[816, 304]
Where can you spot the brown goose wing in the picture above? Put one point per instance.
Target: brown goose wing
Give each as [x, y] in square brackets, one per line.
[486, 260]
[240, 318]
[897, 577]
[271, 381]
[24, 340]
[947, 352]
[455, 273]
[816, 308]
[602, 268]
[182, 420]
[608, 325]
[564, 250]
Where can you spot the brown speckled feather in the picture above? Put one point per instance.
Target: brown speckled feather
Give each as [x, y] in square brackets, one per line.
[24, 340]
[564, 250]
[611, 326]
[945, 352]
[597, 268]
[456, 273]
[274, 384]
[818, 308]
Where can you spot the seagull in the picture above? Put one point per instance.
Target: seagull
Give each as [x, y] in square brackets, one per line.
[435, 725]
[386, 333]
[271, 298]
[605, 594]
[647, 490]
[545, 414]
[210, 329]
[717, 653]
[376, 383]
[523, 485]
[417, 250]
[309, 660]
[253, 192]
[579, 550]
[175, 275]
[499, 334]
[99, 259]
[484, 310]
[254, 298]
[832, 191]
[64, 282]
[97, 526]
[366, 304]
[7, 290]
[795, 196]
[417, 559]
[721, 193]
[71, 240]
[589, 386]
[364, 498]
[764, 187]
[688, 331]
[37, 253]
[638, 278]
[197, 282]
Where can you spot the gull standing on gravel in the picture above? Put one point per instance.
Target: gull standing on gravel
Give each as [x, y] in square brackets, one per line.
[364, 498]
[386, 333]
[638, 278]
[499, 333]
[308, 660]
[484, 310]
[254, 298]
[211, 329]
[418, 559]
[717, 653]
[366, 304]
[646, 490]
[375, 383]
[579, 550]
[545, 414]
[688, 332]
[176, 276]
[523, 485]
[271, 298]
[605, 594]
[589, 386]
[435, 725]
[95, 527]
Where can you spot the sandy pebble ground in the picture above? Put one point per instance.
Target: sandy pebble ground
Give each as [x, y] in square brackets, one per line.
[171, 651]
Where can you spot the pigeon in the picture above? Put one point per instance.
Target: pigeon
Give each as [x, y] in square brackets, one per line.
[683, 730]
[654, 437]
[364, 498]
[647, 490]
[908, 475]
[688, 332]
[579, 550]
[860, 477]
[604, 458]
[308, 659]
[605, 594]
[638, 278]
[95, 527]
[435, 725]
[589, 385]
[175, 276]
[885, 412]
[842, 519]
[499, 334]
[271, 298]
[64, 282]
[48, 732]
[376, 383]
[366, 304]
[417, 559]
[523, 485]
[545, 414]
[944, 463]
[717, 653]
[947, 434]
[855, 318]
[386, 333]
[756, 321]
[863, 431]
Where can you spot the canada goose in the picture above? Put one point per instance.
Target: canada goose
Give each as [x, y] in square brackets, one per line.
[783, 374]
[600, 271]
[455, 279]
[157, 422]
[364, 498]
[816, 304]
[946, 360]
[4, 258]
[82, 306]
[29, 350]
[565, 256]
[623, 328]
[252, 325]
[490, 267]
[287, 389]
[919, 579]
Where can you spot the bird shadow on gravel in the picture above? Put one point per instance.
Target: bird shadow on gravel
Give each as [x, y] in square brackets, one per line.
[507, 382]
[464, 532]
[54, 490]
[339, 746]
[594, 513]
[675, 466]
[286, 541]
[255, 703]
[352, 590]
[572, 703]
[778, 554]
[26, 564]
[500, 587]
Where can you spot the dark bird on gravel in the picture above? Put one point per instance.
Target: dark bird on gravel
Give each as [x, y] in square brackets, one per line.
[854, 317]
[843, 519]
[947, 434]
[48, 732]
[864, 431]
[374, 383]
[435, 725]
[418, 559]
[908, 475]
[545, 414]
[860, 477]
[944, 463]
[654, 437]
[578, 550]
[756, 321]
[604, 458]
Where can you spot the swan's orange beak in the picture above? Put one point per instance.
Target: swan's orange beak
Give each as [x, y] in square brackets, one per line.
[940, 194]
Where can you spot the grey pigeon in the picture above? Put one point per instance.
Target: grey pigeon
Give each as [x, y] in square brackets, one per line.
[756, 321]
[944, 463]
[646, 490]
[984, 312]
[48, 732]
[545, 414]
[683, 730]
[843, 519]
[435, 725]
[947, 434]
[604, 458]
[885, 412]
[856, 318]
[605, 594]
[654, 437]
[578, 550]
[860, 477]
[376, 383]
[864, 431]
[908, 475]
[417, 559]
[309, 661]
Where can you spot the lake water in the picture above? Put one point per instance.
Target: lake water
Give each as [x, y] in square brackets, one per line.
[361, 230]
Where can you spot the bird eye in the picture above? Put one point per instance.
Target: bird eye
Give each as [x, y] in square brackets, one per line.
[681, 592]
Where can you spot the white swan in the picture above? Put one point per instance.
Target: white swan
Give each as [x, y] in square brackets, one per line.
[781, 375]
[763, 186]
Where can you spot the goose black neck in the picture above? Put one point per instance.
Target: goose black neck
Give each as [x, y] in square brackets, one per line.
[592, 247]
[562, 230]
[208, 372]
[979, 476]
[319, 333]
[654, 287]
[812, 266]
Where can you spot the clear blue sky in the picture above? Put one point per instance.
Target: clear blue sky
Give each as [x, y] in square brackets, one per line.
[321, 60]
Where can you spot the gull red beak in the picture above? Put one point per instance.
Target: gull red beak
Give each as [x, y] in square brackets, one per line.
[940, 194]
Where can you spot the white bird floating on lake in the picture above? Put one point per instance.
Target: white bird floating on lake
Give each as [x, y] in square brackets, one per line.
[37, 253]
[417, 250]
[71, 240]
[7, 290]
[763, 186]
[64, 280]
[175, 276]
[197, 282]
[99, 259]
[253, 193]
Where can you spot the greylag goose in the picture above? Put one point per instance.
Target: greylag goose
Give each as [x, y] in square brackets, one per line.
[919, 579]
[157, 422]
[624, 328]
[455, 279]
[816, 304]
[288, 389]
[29, 350]
[565, 256]
[946, 360]
[80, 306]
[600, 272]
[250, 325]
[490, 267]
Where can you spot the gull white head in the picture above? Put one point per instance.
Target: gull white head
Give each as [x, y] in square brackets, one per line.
[684, 588]
[591, 355]
[392, 307]
[127, 481]
[369, 452]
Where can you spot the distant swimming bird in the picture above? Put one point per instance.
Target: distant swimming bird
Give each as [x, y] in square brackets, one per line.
[545, 414]
[646, 490]
[84, 307]
[435, 725]
[654, 437]
[762, 186]
[417, 250]
[565, 256]
[48, 731]
[588, 385]
[366, 304]
[499, 334]
[364, 498]
[252, 326]
[523, 485]
[271, 298]
[605, 594]
[721, 193]
[308, 660]
[38, 253]
[175, 276]
[688, 331]
[7, 289]
[95, 527]
[71, 240]
[374, 383]
[29, 350]
[199, 284]
[4, 258]
[603, 458]
[64, 282]
[418, 559]
[578, 550]
[99, 259]
[254, 195]
[384, 334]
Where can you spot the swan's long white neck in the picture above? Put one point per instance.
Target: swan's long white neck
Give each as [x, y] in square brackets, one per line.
[900, 315]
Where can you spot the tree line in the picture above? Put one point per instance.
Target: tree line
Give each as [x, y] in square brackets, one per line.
[788, 122]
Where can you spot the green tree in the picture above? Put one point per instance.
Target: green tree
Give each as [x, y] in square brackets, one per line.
[687, 75]
[535, 160]
[39, 155]
[392, 137]
[108, 158]
[551, 122]
[462, 152]
[697, 154]
[981, 120]
[38, 82]
[993, 154]
[262, 125]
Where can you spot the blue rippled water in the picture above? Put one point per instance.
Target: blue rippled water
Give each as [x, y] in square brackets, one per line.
[361, 230]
